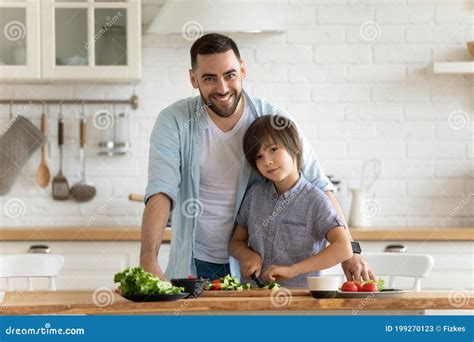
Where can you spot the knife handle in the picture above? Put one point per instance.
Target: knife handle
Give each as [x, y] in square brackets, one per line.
[60, 131]
[83, 132]
[44, 124]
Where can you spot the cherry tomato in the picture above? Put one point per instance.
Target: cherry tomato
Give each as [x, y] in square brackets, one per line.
[349, 286]
[216, 285]
[369, 287]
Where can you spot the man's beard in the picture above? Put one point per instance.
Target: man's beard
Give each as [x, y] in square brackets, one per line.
[222, 112]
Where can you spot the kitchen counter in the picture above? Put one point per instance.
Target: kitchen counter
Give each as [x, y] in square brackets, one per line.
[75, 234]
[413, 234]
[133, 234]
[108, 302]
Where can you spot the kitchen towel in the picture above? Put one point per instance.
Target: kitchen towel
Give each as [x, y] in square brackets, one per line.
[17, 145]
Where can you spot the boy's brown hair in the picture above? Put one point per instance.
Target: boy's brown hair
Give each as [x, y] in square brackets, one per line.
[272, 128]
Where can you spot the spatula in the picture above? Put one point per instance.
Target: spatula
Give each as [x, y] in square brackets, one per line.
[60, 184]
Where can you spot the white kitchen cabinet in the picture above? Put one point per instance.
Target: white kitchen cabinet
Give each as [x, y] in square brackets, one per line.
[87, 265]
[90, 40]
[20, 40]
[453, 263]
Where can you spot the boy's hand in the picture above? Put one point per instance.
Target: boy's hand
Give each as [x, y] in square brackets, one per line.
[275, 272]
[250, 265]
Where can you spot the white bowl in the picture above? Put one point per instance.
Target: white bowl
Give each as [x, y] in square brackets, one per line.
[324, 287]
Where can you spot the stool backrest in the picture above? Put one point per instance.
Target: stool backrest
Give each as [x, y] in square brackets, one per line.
[394, 265]
[31, 266]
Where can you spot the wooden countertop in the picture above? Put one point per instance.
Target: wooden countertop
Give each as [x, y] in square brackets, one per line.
[85, 302]
[75, 234]
[413, 234]
[133, 234]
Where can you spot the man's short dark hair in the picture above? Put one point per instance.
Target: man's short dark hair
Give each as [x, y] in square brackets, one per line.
[274, 129]
[210, 44]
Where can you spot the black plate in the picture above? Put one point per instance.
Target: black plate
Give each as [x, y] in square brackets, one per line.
[155, 297]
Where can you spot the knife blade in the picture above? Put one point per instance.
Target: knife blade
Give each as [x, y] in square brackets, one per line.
[254, 278]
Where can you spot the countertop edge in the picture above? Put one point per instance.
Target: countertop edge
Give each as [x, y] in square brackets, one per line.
[134, 234]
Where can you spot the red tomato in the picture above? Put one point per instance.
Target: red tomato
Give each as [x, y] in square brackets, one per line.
[191, 277]
[349, 286]
[359, 286]
[369, 287]
[216, 285]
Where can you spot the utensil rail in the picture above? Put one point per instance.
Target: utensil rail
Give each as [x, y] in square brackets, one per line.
[132, 101]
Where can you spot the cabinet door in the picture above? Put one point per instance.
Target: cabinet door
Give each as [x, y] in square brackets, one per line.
[88, 265]
[91, 40]
[19, 42]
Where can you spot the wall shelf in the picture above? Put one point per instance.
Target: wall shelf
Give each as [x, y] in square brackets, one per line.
[453, 68]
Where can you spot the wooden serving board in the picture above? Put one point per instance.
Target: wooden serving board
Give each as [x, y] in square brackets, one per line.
[254, 293]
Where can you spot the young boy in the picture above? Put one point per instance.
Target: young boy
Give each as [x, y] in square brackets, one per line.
[285, 222]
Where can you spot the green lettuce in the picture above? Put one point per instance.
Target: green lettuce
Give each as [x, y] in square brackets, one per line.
[135, 281]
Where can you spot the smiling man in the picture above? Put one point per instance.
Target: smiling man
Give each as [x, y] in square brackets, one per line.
[197, 168]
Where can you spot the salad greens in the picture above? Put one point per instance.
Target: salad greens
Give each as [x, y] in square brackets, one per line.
[134, 281]
[380, 284]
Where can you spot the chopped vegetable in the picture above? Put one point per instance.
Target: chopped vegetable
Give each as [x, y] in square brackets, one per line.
[134, 281]
[272, 286]
[229, 283]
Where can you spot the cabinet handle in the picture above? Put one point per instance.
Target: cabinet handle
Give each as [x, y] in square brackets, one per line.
[41, 249]
[396, 249]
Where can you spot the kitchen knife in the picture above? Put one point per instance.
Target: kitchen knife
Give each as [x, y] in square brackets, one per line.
[259, 283]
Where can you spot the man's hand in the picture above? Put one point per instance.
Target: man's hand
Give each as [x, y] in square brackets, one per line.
[251, 264]
[356, 268]
[153, 267]
[275, 272]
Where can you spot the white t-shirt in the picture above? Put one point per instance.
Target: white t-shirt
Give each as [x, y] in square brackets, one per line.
[219, 172]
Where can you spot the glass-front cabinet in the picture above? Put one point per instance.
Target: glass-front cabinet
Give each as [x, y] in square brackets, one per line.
[91, 39]
[97, 40]
[19, 39]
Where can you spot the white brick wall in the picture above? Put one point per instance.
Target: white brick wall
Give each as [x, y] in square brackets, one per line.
[356, 96]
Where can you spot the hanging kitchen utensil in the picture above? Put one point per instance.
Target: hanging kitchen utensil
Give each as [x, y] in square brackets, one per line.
[42, 174]
[83, 191]
[104, 120]
[60, 184]
[370, 173]
[17, 145]
[121, 135]
[114, 140]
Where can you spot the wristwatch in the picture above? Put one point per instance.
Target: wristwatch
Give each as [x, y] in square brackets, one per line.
[356, 247]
